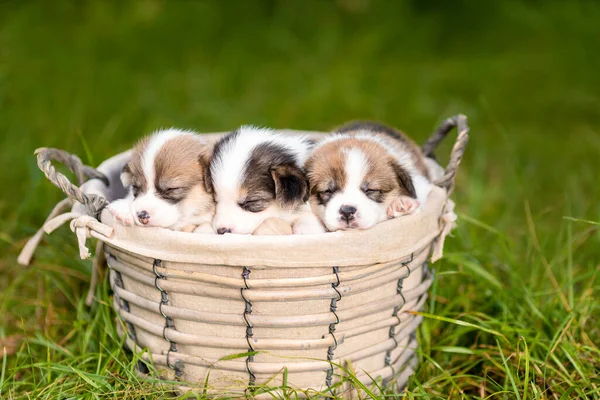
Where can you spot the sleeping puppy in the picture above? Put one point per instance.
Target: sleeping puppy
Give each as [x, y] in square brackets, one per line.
[366, 173]
[256, 174]
[165, 178]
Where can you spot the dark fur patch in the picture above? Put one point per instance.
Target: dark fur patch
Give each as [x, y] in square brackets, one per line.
[291, 185]
[271, 172]
[371, 126]
[404, 180]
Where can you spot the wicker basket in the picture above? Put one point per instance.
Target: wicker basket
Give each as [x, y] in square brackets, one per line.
[303, 304]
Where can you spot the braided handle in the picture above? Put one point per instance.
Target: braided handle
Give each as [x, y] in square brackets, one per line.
[93, 203]
[459, 122]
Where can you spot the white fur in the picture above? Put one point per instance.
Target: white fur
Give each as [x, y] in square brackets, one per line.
[227, 174]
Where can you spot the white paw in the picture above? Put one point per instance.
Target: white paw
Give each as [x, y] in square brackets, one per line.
[187, 228]
[308, 227]
[120, 210]
[402, 205]
[205, 228]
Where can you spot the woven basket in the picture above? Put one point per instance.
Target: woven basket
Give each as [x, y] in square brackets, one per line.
[306, 305]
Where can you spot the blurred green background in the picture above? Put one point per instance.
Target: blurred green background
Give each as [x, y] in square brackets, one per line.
[92, 77]
[525, 73]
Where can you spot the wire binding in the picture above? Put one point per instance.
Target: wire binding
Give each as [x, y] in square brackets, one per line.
[247, 311]
[392, 332]
[333, 308]
[123, 303]
[169, 323]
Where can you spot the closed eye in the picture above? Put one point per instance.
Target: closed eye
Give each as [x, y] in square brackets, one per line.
[253, 205]
[172, 194]
[325, 195]
[374, 194]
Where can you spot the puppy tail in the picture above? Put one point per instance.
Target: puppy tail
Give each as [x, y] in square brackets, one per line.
[437, 137]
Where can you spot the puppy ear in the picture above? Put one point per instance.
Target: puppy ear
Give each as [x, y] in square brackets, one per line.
[404, 180]
[291, 185]
[204, 160]
[126, 175]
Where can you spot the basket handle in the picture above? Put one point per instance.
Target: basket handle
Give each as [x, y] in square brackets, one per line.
[459, 122]
[93, 203]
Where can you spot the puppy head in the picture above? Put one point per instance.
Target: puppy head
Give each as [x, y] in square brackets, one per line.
[255, 175]
[353, 181]
[165, 175]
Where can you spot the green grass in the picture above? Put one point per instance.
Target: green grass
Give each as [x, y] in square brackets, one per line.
[514, 311]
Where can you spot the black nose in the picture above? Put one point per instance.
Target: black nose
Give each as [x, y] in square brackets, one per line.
[143, 216]
[347, 212]
[222, 231]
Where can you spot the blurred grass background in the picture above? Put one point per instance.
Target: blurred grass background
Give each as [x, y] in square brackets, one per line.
[92, 77]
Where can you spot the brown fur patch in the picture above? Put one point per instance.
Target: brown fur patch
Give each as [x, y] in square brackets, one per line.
[177, 167]
[325, 169]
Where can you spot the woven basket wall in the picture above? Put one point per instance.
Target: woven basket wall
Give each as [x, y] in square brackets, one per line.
[303, 303]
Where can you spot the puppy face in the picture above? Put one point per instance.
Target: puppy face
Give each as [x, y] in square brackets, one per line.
[255, 175]
[166, 179]
[353, 182]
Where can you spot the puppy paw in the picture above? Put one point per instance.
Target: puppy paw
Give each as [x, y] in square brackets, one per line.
[402, 205]
[308, 227]
[120, 210]
[188, 228]
[273, 226]
[204, 228]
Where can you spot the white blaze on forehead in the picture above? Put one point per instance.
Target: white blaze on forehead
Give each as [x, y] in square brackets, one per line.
[404, 158]
[229, 167]
[356, 168]
[156, 142]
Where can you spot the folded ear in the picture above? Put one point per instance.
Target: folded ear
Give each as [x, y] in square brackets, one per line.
[126, 176]
[291, 185]
[204, 160]
[404, 180]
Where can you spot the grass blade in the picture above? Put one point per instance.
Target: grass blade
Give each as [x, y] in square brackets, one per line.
[458, 322]
[508, 371]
